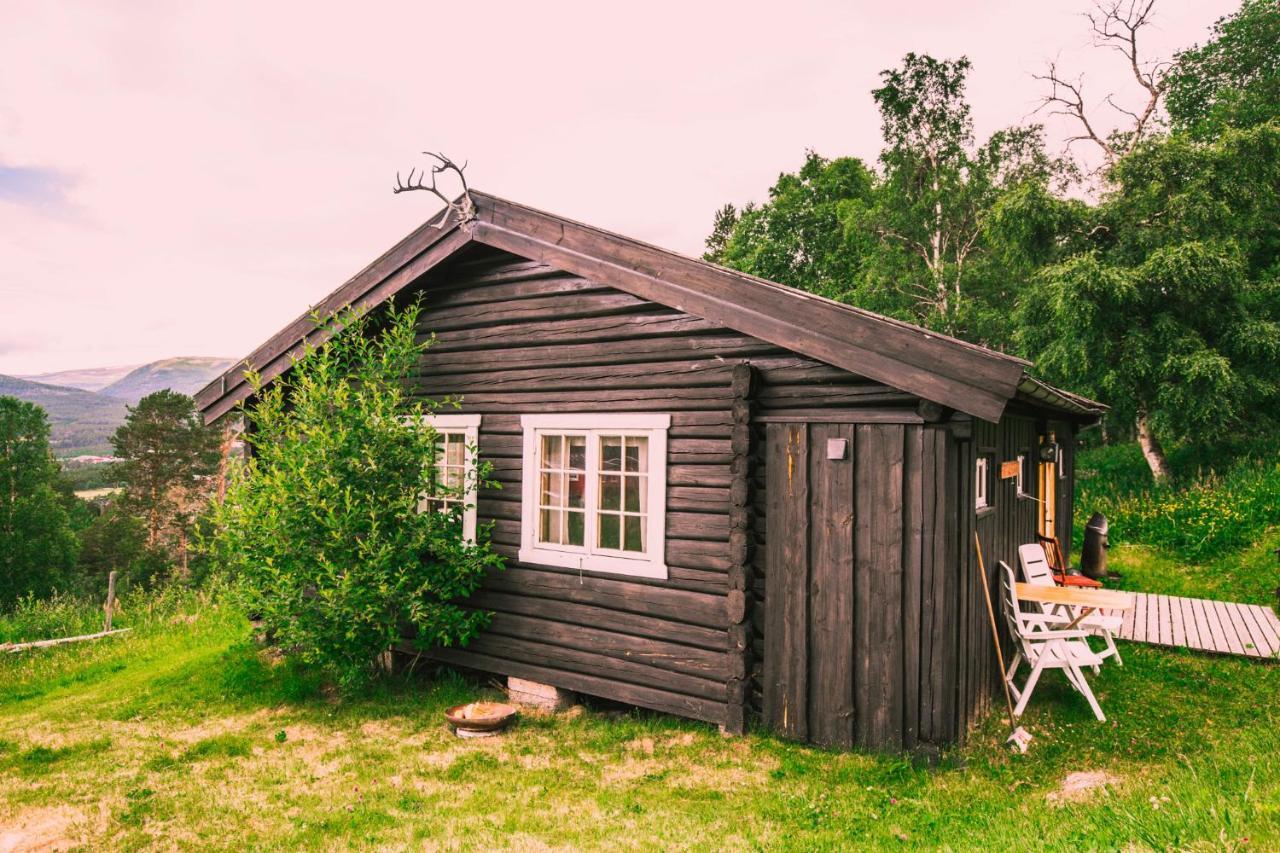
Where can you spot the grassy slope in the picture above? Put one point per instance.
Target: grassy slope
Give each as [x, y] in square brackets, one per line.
[170, 736]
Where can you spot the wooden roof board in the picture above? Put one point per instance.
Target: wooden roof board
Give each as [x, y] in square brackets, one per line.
[945, 370]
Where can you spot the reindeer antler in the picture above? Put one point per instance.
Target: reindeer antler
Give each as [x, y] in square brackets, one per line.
[464, 208]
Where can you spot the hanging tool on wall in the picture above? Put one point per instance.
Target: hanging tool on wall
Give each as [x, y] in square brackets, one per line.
[1019, 737]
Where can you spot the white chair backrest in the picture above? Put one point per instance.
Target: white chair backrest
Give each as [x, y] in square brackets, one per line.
[1035, 566]
[1009, 601]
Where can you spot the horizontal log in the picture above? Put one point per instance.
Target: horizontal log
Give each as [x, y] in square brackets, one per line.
[629, 596]
[653, 323]
[664, 701]
[586, 660]
[640, 625]
[569, 306]
[631, 400]
[600, 640]
[510, 287]
[725, 346]
[817, 396]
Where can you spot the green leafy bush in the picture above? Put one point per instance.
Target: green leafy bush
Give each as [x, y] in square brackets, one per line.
[322, 526]
[1203, 514]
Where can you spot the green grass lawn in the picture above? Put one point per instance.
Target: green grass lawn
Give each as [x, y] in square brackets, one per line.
[184, 733]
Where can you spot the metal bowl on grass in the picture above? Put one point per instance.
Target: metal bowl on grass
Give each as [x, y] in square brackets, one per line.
[480, 718]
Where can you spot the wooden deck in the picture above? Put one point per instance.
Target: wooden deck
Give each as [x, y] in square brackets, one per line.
[1222, 627]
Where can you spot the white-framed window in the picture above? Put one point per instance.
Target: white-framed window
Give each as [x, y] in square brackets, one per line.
[453, 470]
[594, 492]
[982, 481]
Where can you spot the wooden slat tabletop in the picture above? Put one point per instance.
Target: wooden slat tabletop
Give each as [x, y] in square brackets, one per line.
[1076, 596]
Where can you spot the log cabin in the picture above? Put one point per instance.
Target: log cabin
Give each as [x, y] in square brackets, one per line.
[722, 498]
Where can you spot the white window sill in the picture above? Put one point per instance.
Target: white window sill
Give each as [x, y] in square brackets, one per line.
[636, 568]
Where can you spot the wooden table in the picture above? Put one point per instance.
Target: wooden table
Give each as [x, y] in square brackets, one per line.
[1088, 600]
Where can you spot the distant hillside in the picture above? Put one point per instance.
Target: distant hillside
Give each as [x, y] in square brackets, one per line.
[89, 379]
[80, 421]
[184, 375]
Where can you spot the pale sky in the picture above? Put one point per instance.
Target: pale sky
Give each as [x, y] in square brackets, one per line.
[181, 179]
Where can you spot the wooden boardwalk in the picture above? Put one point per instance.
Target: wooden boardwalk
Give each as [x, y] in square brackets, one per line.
[1210, 626]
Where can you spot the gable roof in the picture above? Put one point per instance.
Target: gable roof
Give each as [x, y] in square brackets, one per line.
[954, 373]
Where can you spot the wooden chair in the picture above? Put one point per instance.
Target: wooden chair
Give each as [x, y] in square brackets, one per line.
[1044, 644]
[1037, 571]
[1061, 570]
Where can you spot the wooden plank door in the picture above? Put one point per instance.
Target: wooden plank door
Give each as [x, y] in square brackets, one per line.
[809, 583]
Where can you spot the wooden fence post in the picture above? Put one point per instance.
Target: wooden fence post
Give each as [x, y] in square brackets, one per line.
[111, 599]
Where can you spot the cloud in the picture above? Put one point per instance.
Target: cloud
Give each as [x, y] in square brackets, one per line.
[34, 186]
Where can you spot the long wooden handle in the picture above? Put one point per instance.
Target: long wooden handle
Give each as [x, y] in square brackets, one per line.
[995, 632]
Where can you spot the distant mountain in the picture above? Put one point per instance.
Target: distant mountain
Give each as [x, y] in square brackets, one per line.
[80, 421]
[89, 379]
[184, 375]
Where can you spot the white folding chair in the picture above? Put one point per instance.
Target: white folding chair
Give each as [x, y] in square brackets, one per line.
[1037, 572]
[1044, 644]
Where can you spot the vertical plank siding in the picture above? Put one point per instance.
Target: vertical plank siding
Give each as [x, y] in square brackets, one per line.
[858, 637]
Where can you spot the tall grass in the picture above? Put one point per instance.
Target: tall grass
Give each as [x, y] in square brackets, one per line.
[69, 615]
[1208, 511]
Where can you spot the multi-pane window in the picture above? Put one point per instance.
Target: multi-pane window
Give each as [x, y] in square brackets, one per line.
[452, 470]
[594, 492]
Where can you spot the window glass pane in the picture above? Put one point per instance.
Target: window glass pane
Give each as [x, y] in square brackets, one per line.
[577, 452]
[456, 449]
[636, 492]
[576, 533]
[611, 492]
[633, 533]
[550, 526]
[576, 488]
[609, 530]
[611, 452]
[552, 450]
[551, 489]
[637, 455]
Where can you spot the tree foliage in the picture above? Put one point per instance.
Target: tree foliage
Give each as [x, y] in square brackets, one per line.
[169, 456]
[917, 240]
[1232, 81]
[37, 544]
[322, 523]
[796, 237]
[1172, 312]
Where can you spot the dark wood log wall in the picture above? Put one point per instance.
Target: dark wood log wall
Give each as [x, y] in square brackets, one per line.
[1012, 521]
[515, 337]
